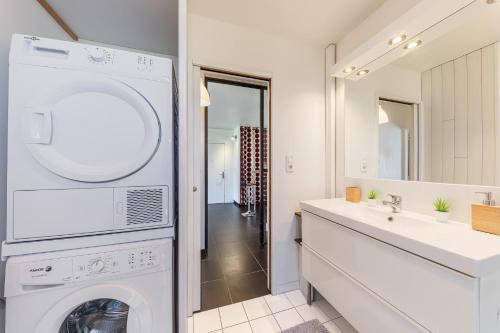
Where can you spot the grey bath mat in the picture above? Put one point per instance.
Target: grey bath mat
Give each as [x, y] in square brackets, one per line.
[313, 326]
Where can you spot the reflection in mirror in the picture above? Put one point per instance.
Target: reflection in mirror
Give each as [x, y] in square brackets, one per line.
[430, 112]
[398, 140]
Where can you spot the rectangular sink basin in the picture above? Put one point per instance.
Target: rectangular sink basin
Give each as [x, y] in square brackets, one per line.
[452, 244]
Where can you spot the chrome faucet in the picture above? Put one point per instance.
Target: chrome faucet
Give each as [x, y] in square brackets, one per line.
[396, 203]
[488, 201]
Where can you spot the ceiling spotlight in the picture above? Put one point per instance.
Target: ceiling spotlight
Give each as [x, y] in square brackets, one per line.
[412, 45]
[349, 69]
[362, 72]
[398, 39]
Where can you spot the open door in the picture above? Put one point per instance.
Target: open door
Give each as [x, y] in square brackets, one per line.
[196, 210]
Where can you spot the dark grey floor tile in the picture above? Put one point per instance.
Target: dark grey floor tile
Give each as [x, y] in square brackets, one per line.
[239, 264]
[254, 244]
[211, 270]
[234, 253]
[232, 249]
[214, 294]
[245, 287]
[261, 257]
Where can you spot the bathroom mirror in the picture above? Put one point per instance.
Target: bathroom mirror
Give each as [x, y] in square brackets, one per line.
[428, 110]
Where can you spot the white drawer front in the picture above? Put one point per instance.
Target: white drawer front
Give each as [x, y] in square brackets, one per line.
[438, 298]
[363, 309]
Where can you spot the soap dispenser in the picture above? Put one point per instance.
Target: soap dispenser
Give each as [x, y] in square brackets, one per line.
[486, 216]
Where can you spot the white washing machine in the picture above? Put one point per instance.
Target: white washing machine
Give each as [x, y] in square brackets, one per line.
[90, 144]
[113, 289]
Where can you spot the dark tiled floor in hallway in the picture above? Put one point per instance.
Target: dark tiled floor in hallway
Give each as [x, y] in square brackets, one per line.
[235, 268]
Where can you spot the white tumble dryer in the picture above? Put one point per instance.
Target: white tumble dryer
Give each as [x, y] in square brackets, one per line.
[91, 140]
[111, 289]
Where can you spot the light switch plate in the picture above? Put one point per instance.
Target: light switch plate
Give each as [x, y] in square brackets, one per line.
[363, 166]
[290, 168]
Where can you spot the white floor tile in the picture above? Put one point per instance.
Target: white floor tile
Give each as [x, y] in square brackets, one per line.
[190, 325]
[327, 309]
[207, 321]
[256, 308]
[265, 325]
[233, 314]
[332, 328]
[288, 318]
[278, 303]
[241, 328]
[344, 325]
[296, 298]
[310, 312]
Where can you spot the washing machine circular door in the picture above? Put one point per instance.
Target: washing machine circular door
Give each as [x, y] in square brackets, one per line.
[100, 309]
[92, 130]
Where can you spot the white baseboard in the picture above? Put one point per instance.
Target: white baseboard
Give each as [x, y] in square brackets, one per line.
[290, 286]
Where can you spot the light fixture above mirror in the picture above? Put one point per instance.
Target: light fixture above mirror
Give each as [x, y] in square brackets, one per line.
[398, 39]
[349, 69]
[363, 72]
[412, 45]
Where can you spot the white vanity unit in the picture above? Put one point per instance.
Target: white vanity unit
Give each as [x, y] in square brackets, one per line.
[401, 272]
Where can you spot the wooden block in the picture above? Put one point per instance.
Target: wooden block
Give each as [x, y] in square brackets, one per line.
[486, 218]
[353, 194]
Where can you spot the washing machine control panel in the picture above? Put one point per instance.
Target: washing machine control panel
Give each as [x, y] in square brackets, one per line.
[103, 264]
[91, 266]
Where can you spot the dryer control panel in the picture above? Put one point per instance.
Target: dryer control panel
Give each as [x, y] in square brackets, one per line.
[32, 50]
[94, 266]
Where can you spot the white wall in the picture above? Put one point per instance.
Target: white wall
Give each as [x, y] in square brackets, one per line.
[460, 96]
[361, 114]
[297, 118]
[218, 135]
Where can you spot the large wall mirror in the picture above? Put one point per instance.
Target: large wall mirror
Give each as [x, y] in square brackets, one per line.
[428, 110]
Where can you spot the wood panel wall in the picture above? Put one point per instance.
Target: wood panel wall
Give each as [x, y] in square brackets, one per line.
[460, 115]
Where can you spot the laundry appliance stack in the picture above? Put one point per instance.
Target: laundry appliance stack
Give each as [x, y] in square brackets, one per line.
[91, 188]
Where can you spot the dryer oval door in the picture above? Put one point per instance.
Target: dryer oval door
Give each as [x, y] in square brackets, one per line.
[104, 309]
[92, 130]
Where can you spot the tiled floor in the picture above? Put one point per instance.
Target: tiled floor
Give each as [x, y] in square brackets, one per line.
[236, 266]
[268, 314]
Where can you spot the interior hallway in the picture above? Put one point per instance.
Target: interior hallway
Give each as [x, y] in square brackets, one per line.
[235, 268]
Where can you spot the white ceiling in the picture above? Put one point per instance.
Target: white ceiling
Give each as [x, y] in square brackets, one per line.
[319, 21]
[148, 25]
[233, 106]
[476, 29]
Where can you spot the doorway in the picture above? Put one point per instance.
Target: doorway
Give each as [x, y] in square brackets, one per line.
[398, 132]
[216, 173]
[236, 238]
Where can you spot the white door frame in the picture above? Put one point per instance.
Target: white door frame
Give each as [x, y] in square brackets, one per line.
[195, 124]
[196, 192]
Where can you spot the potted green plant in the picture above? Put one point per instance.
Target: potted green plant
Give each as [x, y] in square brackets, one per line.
[372, 198]
[441, 210]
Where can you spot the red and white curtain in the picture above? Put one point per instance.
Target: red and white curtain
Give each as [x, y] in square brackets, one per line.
[250, 161]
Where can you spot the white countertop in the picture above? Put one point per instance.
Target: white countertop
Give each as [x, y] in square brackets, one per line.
[453, 244]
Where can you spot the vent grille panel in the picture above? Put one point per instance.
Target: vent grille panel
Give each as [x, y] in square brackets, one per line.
[144, 206]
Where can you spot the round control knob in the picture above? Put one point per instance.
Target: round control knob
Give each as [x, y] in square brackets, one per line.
[97, 55]
[97, 266]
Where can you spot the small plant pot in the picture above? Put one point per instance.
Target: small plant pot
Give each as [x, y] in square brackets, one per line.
[372, 202]
[442, 217]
